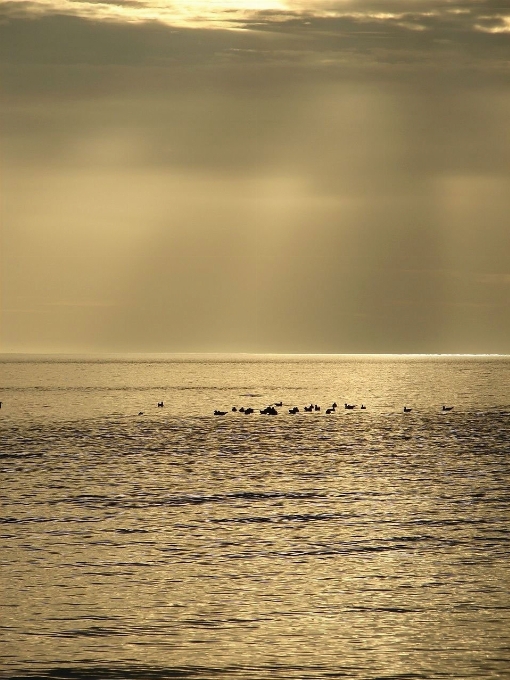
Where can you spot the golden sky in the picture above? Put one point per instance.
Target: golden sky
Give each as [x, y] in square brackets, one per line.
[255, 176]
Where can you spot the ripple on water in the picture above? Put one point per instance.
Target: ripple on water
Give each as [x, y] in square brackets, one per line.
[368, 545]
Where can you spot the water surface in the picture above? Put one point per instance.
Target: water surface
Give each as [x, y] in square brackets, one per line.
[363, 544]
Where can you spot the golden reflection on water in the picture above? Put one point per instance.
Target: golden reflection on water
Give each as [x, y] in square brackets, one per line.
[370, 544]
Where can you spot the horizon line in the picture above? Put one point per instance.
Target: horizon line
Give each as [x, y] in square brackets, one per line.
[259, 354]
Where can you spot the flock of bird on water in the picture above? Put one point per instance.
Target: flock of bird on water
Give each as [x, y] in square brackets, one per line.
[271, 410]
[311, 408]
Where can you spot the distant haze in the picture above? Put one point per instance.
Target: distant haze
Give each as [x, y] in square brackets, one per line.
[329, 176]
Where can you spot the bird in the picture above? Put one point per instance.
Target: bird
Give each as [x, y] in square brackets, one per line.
[161, 404]
[447, 408]
[234, 410]
[294, 410]
[350, 406]
[278, 403]
[317, 408]
[407, 410]
[140, 413]
[363, 407]
[220, 413]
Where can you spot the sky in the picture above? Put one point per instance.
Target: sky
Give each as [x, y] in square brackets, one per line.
[314, 176]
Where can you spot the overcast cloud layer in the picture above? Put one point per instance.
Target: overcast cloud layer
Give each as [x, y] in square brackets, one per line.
[259, 176]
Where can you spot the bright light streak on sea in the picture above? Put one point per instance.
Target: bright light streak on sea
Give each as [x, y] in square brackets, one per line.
[178, 544]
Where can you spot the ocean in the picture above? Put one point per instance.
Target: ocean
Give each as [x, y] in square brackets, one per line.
[140, 541]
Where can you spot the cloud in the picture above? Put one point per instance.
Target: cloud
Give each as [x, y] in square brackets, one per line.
[309, 176]
[320, 35]
[309, 15]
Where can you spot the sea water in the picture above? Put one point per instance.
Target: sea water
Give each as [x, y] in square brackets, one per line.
[140, 541]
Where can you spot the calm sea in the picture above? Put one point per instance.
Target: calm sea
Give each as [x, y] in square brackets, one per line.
[140, 541]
